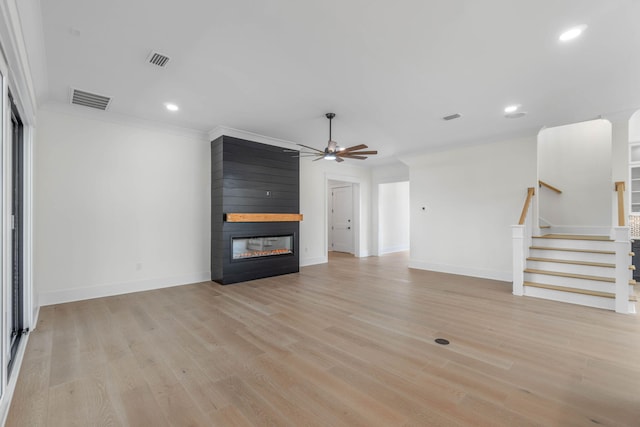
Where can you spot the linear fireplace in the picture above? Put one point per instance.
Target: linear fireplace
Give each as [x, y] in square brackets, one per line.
[255, 211]
[255, 247]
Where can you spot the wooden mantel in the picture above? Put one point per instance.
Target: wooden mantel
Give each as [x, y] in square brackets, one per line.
[262, 217]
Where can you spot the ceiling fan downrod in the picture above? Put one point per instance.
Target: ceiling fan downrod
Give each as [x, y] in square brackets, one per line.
[332, 146]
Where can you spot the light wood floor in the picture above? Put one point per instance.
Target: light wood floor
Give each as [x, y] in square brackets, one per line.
[350, 343]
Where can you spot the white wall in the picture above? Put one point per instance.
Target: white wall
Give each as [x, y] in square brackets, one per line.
[394, 216]
[471, 198]
[120, 207]
[577, 159]
[634, 127]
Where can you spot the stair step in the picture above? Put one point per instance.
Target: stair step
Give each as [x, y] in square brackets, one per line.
[566, 261]
[632, 298]
[575, 276]
[572, 290]
[573, 243]
[574, 237]
[589, 251]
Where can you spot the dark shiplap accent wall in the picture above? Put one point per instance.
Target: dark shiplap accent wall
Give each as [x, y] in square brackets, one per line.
[242, 174]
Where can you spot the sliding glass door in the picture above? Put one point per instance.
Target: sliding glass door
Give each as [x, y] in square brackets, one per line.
[16, 303]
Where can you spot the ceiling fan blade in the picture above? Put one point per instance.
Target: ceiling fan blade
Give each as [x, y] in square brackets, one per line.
[311, 148]
[354, 157]
[338, 159]
[355, 147]
[367, 153]
[319, 158]
[286, 150]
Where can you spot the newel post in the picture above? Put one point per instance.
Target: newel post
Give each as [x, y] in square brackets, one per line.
[518, 238]
[623, 274]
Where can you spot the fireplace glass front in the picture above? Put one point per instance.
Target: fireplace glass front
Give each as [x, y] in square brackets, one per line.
[254, 247]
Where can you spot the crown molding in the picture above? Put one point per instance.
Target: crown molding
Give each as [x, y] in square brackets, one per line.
[122, 119]
[220, 130]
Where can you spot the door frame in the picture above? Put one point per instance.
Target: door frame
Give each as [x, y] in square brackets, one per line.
[357, 211]
[15, 67]
[17, 236]
[331, 211]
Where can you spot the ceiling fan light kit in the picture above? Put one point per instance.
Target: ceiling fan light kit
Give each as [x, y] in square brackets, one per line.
[334, 152]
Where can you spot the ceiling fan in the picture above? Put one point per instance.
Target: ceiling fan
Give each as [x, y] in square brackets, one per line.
[334, 151]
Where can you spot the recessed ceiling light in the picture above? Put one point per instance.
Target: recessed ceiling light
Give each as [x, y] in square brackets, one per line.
[511, 109]
[171, 107]
[572, 33]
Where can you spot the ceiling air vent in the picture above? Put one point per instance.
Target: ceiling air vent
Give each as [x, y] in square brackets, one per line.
[88, 99]
[158, 59]
[452, 117]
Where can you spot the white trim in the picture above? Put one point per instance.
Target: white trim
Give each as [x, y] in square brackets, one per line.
[588, 230]
[36, 316]
[111, 289]
[358, 250]
[16, 54]
[7, 397]
[5, 224]
[30, 306]
[122, 119]
[313, 261]
[570, 297]
[17, 76]
[394, 249]
[220, 130]
[503, 276]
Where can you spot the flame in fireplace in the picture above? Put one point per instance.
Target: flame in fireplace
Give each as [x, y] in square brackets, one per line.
[254, 254]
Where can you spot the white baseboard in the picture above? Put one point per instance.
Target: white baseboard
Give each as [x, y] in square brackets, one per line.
[393, 249]
[34, 319]
[362, 254]
[313, 261]
[503, 276]
[78, 294]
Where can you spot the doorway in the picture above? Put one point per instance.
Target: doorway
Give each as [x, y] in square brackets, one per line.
[341, 230]
[16, 302]
[393, 217]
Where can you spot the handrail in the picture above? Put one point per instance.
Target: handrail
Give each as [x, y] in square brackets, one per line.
[531, 191]
[549, 186]
[619, 188]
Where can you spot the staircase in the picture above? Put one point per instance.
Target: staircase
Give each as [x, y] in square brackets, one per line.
[592, 270]
[576, 269]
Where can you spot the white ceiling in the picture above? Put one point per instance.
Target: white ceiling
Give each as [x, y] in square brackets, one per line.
[390, 70]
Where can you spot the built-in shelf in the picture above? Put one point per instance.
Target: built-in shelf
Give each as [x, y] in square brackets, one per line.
[262, 217]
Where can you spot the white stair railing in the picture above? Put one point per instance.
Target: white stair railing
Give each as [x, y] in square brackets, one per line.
[522, 237]
[623, 274]
[622, 240]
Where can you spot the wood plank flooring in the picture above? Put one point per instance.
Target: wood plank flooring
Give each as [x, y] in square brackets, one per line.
[349, 343]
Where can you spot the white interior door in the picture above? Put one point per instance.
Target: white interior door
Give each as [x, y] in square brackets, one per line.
[341, 232]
